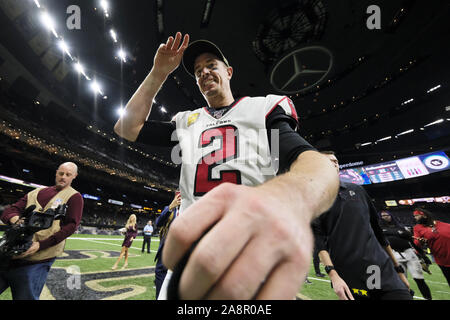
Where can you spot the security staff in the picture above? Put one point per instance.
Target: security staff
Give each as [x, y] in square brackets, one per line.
[352, 247]
[148, 230]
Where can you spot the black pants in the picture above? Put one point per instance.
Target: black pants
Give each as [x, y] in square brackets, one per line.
[160, 274]
[402, 294]
[446, 272]
[147, 240]
[316, 261]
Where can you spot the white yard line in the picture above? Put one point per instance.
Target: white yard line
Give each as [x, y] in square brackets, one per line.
[436, 282]
[443, 292]
[111, 244]
[75, 238]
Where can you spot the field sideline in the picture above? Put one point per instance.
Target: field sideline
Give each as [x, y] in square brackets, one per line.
[84, 273]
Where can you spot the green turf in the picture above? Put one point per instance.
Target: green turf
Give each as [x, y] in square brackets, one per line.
[143, 286]
[320, 288]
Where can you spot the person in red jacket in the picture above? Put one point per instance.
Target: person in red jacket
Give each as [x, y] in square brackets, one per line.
[436, 235]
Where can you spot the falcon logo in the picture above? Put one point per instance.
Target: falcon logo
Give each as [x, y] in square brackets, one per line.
[192, 118]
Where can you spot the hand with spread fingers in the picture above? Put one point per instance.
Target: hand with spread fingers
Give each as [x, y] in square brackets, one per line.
[168, 56]
[265, 257]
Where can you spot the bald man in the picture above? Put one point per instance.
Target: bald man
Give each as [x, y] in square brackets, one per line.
[28, 272]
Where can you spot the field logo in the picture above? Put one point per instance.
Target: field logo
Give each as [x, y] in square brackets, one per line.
[74, 280]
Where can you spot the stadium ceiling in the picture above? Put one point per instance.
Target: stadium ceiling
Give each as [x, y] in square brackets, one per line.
[353, 86]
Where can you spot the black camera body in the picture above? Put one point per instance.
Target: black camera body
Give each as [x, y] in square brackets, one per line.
[18, 237]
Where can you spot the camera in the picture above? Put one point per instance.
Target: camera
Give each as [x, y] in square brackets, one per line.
[18, 237]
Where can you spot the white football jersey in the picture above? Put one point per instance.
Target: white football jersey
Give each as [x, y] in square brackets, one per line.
[233, 148]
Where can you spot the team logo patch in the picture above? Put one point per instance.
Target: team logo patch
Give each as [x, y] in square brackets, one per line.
[192, 118]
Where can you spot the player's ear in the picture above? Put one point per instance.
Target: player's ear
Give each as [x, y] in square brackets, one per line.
[230, 72]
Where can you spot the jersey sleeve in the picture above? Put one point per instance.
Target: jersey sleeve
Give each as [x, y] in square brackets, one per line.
[286, 104]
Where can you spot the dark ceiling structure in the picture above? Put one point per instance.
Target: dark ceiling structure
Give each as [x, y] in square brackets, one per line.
[355, 87]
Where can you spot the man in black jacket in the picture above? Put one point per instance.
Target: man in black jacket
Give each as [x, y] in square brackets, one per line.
[356, 255]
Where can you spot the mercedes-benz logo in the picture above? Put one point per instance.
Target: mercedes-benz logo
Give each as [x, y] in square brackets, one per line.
[301, 69]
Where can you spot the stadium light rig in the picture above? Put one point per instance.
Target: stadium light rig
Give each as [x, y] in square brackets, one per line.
[105, 6]
[407, 101]
[434, 88]
[122, 55]
[96, 87]
[113, 35]
[80, 69]
[65, 48]
[384, 139]
[405, 132]
[121, 111]
[48, 23]
[433, 123]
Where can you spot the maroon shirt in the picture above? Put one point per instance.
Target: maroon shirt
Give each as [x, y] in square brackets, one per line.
[68, 225]
[131, 233]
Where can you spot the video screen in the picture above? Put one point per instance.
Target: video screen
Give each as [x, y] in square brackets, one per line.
[354, 175]
[383, 172]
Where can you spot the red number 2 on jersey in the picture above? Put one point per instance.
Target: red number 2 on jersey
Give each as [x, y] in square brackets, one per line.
[228, 136]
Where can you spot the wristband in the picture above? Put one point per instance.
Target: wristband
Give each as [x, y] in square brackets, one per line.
[399, 269]
[328, 269]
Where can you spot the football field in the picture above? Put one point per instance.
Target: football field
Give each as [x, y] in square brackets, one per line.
[84, 273]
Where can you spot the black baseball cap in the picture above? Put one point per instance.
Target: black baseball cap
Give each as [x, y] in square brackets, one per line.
[197, 48]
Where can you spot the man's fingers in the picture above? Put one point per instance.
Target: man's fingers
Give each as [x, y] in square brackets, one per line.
[190, 225]
[349, 294]
[184, 45]
[238, 283]
[341, 294]
[283, 281]
[207, 264]
[176, 42]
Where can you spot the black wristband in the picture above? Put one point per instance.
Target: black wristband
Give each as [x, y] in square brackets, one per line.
[399, 269]
[328, 269]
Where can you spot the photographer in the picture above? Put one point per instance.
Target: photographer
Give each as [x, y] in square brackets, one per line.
[27, 272]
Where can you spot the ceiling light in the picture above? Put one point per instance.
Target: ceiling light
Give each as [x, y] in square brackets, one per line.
[433, 123]
[121, 111]
[122, 55]
[113, 35]
[79, 68]
[64, 47]
[434, 88]
[385, 138]
[48, 22]
[406, 132]
[105, 5]
[96, 87]
[407, 101]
